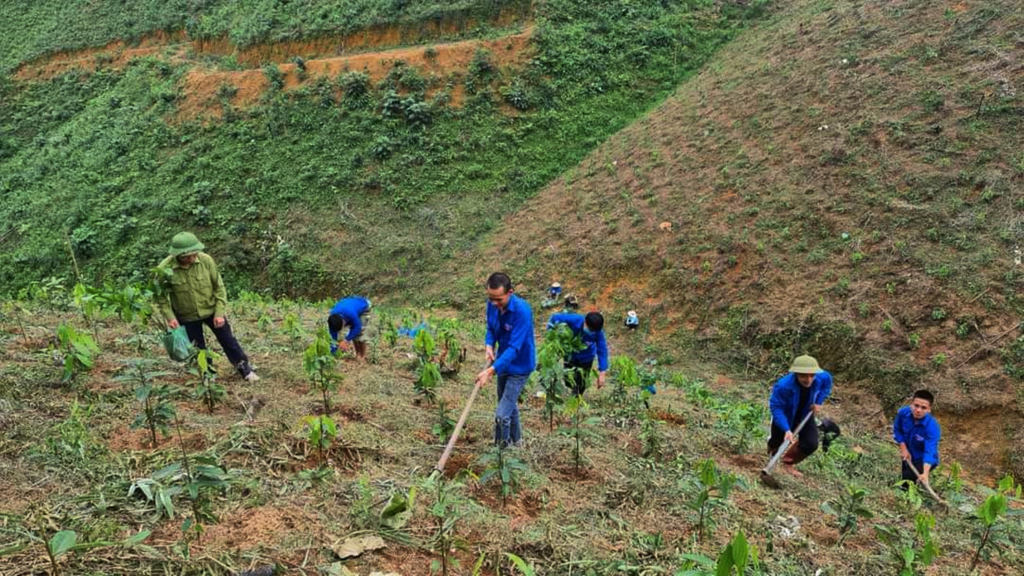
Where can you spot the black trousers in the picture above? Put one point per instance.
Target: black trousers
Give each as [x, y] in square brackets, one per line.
[232, 349]
[807, 440]
[576, 380]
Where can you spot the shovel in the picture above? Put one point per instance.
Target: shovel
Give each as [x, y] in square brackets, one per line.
[766, 473]
[926, 485]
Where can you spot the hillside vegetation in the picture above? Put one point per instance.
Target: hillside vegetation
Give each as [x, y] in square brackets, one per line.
[329, 183]
[240, 477]
[845, 179]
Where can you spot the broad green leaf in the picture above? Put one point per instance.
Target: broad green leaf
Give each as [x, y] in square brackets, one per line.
[740, 550]
[137, 538]
[520, 564]
[725, 562]
[62, 542]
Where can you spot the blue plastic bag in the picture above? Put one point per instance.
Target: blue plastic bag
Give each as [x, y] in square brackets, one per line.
[177, 344]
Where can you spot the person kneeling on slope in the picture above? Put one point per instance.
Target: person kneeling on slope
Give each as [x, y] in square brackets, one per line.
[804, 389]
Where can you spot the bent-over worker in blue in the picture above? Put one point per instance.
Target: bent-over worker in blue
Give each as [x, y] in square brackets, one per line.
[511, 353]
[590, 329]
[918, 434]
[353, 312]
[796, 394]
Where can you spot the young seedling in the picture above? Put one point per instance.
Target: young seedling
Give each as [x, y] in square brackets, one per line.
[650, 437]
[912, 554]
[446, 514]
[559, 343]
[498, 463]
[208, 473]
[990, 513]
[445, 425]
[428, 378]
[293, 328]
[576, 408]
[157, 409]
[737, 555]
[78, 351]
[847, 508]
[320, 432]
[712, 486]
[320, 366]
[208, 390]
[452, 354]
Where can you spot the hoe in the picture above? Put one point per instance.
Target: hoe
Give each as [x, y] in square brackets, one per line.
[766, 474]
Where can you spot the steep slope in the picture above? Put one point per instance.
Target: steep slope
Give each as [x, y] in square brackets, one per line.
[847, 180]
[351, 174]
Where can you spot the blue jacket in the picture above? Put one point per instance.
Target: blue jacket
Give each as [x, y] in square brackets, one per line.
[350, 308]
[513, 334]
[595, 341]
[921, 436]
[786, 395]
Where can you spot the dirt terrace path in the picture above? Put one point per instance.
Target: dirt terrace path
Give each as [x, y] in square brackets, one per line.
[437, 66]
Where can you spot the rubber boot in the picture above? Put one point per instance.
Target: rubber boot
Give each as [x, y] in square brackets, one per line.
[793, 456]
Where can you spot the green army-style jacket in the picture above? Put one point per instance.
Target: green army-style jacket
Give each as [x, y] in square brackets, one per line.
[192, 293]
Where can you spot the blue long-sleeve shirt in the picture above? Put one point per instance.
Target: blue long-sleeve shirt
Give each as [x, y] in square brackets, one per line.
[596, 343]
[786, 414]
[350, 308]
[512, 331]
[921, 436]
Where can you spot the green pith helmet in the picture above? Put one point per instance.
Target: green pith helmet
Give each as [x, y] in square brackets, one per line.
[805, 365]
[185, 243]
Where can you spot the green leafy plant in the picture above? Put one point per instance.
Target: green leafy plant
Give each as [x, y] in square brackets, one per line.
[498, 463]
[206, 474]
[159, 491]
[157, 409]
[446, 512]
[428, 380]
[520, 565]
[208, 390]
[292, 328]
[445, 425]
[576, 408]
[551, 374]
[650, 437]
[742, 424]
[737, 555]
[72, 437]
[424, 346]
[320, 367]
[451, 354]
[990, 514]
[848, 507]
[320, 431]
[912, 554]
[78, 350]
[712, 488]
[61, 543]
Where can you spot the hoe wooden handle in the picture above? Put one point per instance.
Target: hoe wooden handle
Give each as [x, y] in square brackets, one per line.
[458, 428]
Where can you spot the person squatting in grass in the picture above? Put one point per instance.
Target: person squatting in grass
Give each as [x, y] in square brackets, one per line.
[194, 295]
[804, 389]
[590, 329]
[511, 354]
[354, 312]
[917, 433]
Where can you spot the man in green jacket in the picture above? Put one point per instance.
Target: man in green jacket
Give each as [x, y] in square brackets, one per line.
[193, 294]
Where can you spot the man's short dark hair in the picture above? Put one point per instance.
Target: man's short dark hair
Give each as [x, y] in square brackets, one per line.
[594, 321]
[925, 395]
[336, 322]
[499, 280]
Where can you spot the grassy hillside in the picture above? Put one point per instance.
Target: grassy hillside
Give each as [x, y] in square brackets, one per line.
[328, 183]
[844, 179]
[69, 456]
[29, 30]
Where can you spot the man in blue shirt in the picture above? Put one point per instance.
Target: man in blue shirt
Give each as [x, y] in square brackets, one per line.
[590, 329]
[353, 312]
[803, 390]
[918, 434]
[510, 328]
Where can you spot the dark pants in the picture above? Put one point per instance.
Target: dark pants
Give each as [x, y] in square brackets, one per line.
[576, 380]
[806, 444]
[232, 349]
